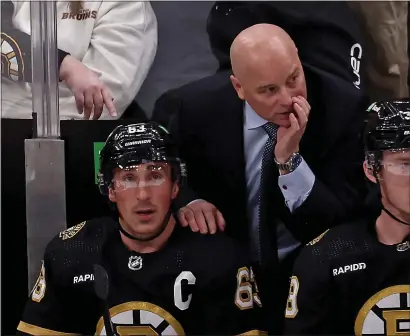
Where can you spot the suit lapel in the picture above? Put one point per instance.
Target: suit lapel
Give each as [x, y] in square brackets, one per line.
[231, 144]
[333, 101]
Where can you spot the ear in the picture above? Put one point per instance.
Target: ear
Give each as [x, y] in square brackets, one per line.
[111, 195]
[237, 86]
[175, 190]
[368, 171]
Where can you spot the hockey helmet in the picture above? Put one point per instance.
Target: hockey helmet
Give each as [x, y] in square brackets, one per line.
[135, 144]
[387, 129]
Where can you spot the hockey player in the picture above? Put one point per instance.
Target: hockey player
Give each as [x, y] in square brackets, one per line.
[163, 279]
[355, 278]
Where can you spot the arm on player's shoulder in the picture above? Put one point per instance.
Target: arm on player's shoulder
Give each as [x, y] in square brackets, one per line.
[309, 300]
[232, 301]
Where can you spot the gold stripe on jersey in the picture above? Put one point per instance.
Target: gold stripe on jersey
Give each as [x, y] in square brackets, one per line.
[254, 333]
[314, 241]
[72, 231]
[34, 330]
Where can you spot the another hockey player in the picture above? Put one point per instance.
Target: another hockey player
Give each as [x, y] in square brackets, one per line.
[355, 278]
[163, 279]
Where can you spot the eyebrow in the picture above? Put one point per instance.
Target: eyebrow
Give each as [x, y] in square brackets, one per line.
[263, 87]
[403, 158]
[157, 165]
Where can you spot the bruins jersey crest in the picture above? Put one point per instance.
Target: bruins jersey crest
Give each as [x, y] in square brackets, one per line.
[141, 318]
[12, 62]
[72, 231]
[386, 313]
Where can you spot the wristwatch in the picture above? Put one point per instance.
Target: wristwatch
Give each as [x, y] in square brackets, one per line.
[293, 162]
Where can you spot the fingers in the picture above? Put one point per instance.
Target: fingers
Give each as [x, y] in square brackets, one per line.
[294, 125]
[202, 217]
[98, 104]
[88, 104]
[108, 101]
[190, 218]
[210, 221]
[303, 103]
[301, 116]
[79, 102]
[200, 220]
[220, 220]
[92, 102]
[182, 219]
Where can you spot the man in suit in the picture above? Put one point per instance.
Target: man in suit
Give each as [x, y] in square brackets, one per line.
[279, 171]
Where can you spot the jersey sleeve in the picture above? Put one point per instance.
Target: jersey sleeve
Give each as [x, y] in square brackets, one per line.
[309, 300]
[48, 310]
[232, 305]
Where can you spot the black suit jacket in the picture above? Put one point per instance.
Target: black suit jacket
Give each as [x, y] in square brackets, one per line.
[206, 119]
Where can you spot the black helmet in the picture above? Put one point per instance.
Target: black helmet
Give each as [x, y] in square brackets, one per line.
[135, 144]
[388, 126]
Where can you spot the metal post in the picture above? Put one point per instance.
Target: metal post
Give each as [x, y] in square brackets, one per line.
[45, 167]
[45, 68]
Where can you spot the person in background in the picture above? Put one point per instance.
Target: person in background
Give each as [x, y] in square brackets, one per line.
[105, 52]
[318, 28]
[273, 152]
[355, 279]
[385, 24]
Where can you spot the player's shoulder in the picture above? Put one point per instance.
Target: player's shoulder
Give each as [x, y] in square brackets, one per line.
[352, 238]
[81, 242]
[217, 250]
[219, 241]
[206, 85]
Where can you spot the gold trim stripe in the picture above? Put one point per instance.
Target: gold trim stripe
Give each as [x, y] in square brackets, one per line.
[34, 330]
[254, 333]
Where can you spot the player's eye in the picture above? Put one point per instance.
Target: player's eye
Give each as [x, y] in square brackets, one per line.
[156, 176]
[128, 178]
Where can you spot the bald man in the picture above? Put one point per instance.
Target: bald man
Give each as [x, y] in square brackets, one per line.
[273, 155]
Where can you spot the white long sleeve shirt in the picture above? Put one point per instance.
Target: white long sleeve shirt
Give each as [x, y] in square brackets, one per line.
[116, 39]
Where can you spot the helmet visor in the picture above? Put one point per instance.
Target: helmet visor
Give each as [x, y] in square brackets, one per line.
[395, 165]
[145, 174]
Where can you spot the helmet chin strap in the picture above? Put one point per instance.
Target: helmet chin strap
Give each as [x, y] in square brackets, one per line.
[394, 217]
[384, 209]
[164, 225]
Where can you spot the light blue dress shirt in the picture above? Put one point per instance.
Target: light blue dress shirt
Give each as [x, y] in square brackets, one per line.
[298, 184]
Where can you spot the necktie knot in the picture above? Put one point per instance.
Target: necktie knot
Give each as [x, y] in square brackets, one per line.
[271, 129]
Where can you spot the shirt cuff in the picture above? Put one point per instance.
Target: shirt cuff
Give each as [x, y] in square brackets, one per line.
[199, 199]
[297, 185]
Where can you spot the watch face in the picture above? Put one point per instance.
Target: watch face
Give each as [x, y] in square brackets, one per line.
[298, 160]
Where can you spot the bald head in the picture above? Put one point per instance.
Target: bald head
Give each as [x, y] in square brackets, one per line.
[260, 41]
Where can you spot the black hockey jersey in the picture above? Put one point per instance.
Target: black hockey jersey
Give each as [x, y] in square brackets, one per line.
[196, 284]
[347, 282]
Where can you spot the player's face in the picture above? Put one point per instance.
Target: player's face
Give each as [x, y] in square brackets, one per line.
[269, 86]
[394, 180]
[143, 195]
